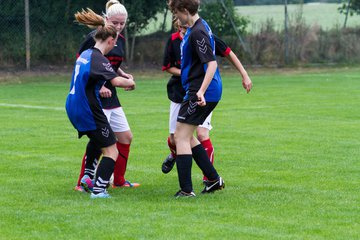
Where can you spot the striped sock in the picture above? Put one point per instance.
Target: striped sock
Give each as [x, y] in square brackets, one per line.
[103, 174]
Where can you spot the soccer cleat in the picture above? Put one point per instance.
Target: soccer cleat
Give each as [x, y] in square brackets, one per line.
[168, 164]
[100, 195]
[182, 194]
[87, 183]
[127, 184]
[79, 189]
[211, 186]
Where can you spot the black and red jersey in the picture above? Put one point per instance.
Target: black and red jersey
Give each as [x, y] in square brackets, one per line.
[172, 58]
[115, 57]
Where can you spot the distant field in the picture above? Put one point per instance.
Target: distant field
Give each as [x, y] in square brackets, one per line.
[324, 14]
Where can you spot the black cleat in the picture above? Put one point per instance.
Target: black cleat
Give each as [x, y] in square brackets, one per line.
[214, 185]
[168, 164]
[182, 194]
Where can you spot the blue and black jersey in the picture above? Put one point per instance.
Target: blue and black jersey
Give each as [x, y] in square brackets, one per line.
[172, 58]
[197, 49]
[116, 57]
[83, 104]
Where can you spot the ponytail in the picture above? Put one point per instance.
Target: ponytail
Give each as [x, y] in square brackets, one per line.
[91, 19]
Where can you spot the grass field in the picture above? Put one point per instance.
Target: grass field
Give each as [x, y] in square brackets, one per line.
[325, 15]
[288, 151]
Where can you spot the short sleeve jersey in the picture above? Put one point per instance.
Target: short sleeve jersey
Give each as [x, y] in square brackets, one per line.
[197, 49]
[115, 56]
[172, 58]
[83, 104]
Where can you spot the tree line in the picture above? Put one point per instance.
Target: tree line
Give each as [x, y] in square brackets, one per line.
[55, 38]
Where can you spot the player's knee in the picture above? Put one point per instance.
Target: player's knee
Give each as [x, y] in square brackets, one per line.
[172, 139]
[202, 136]
[111, 152]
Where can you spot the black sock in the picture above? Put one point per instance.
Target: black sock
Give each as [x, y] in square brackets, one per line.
[93, 153]
[103, 174]
[202, 160]
[183, 165]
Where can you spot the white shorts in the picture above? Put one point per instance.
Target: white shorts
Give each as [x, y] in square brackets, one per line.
[174, 112]
[117, 119]
[207, 123]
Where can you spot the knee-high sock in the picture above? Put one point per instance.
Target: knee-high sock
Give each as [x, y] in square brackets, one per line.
[183, 165]
[202, 160]
[103, 174]
[172, 148]
[81, 174]
[207, 144]
[89, 161]
[121, 163]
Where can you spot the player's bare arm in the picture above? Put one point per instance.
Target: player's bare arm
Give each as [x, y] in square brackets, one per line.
[174, 71]
[123, 82]
[246, 81]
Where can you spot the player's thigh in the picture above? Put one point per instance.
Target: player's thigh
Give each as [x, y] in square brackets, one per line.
[173, 114]
[117, 119]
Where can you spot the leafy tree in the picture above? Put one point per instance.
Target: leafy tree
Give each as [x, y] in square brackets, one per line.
[140, 13]
[218, 18]
[354, 7]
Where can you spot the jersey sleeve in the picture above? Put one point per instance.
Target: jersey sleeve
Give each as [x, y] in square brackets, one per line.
[221, 49]
[101, 68]
[200, 42]
[167, 55]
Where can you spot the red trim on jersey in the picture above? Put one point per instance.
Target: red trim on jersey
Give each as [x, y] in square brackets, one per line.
[121, 36]
[77, 55]
[115, 58]
[114, 63]
[165, 67]
[176, 35]
[227, 51]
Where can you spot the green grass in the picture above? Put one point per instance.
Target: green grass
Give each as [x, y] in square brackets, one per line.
[324, 15]
[288, 151]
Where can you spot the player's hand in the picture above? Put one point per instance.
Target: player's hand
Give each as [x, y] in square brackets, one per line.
[130, 88]
[105, 92]
[201, 99]
[247, 84]
[129, 76]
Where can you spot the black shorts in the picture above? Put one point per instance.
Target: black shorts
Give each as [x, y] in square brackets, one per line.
[102, 137]
[191, 113]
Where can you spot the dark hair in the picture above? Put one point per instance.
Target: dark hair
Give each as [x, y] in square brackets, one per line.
[91, 19]
[180, 5]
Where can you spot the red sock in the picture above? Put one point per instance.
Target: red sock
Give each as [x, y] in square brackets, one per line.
[82, 169]
[209, 150]
[120, 164]
[172, 148]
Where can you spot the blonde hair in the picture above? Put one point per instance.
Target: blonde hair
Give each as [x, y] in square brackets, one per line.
[91, 19]
[114, 7]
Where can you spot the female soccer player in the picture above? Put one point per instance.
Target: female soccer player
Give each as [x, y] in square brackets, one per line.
[116, 15]
[202, 84]
[171, 64]
[83, 107]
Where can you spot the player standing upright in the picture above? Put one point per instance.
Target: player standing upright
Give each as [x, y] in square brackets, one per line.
[202, 84]
[176, 93]
[116, 15]
[83, 106]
